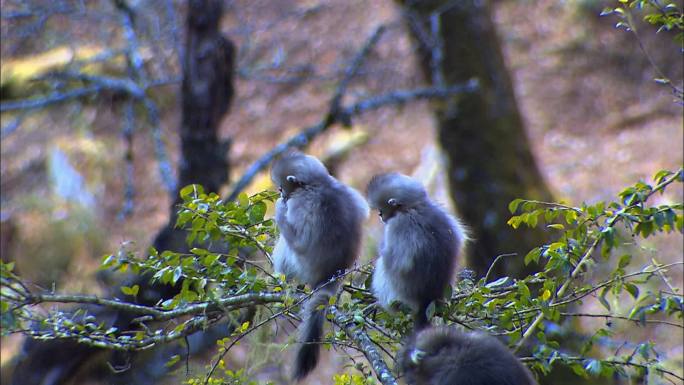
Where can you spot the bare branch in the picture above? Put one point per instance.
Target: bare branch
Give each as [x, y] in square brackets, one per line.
[156, 313]
[57, 97]
[373, 103]
[353, 68]
[129, 185]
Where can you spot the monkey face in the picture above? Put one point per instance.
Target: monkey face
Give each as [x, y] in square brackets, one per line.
[289, 185]
[388, 210]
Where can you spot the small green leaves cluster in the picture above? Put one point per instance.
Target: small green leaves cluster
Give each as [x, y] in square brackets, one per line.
[240, 222]
[352, 379]
[221, 231]
[224, 377]
[11, 292]
[583, 233]
[666, 15]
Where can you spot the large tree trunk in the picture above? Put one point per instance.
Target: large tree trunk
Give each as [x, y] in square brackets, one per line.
[490, 162]
[207, 90]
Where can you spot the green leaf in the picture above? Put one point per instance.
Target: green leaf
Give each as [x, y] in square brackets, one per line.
[632, 289]
[257, 212]
[243, 200]
[198, 251]
[513, 206]
[191, 191]
[660, 175]
[532, 256]
[624, 261]
[533, 219]
[514, 222]
[133, 290]
[523, 290]
[602, 298]
[177, 274]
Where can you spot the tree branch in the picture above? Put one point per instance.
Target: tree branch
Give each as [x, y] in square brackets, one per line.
[156, 313]
[373, 103]
[587, 255]
[365, 344]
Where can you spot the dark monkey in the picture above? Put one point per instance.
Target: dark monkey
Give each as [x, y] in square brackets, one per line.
[446, 356]
[420, 246]
[320, 222]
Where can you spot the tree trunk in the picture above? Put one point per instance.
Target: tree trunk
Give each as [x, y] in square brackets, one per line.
[489, 160]
[207, 90]
[206, 94]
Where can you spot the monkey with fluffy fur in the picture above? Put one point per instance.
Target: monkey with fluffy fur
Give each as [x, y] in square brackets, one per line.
[320, 222]
[446, 356]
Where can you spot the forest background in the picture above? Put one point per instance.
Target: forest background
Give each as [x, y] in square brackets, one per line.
[96, 134]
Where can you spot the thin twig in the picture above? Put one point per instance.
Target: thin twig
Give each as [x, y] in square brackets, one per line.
[491, 267]
[587, 255]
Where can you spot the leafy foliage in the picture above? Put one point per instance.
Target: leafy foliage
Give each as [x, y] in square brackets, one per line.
[590, 255]
[667, 16]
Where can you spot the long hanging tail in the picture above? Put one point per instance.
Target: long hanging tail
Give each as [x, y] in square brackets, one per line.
[420, 319]
[311, 332]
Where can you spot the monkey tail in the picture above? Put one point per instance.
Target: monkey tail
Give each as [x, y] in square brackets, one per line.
[311, 332]
[420, 319]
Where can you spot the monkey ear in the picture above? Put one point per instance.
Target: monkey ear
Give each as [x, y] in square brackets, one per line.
[392, 202]
[291, 179]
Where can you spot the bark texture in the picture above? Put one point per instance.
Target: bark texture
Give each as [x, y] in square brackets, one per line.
[489, 159]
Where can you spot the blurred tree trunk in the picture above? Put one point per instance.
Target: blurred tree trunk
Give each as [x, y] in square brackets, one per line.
[207, 90]
[490, 162]
[206, 94]
[489, 158]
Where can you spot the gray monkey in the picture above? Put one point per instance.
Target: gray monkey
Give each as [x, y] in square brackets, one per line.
[420, 246]
[446, 356]
[320, 222]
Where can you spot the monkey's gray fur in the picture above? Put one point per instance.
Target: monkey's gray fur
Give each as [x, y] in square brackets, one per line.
[320, 222]
[446, 356]
[420, 246]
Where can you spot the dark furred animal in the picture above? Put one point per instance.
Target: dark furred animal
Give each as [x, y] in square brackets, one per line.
[420, 246]
[446, 356]
[320, 222]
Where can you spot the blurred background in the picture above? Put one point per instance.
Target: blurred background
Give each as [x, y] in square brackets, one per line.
[89, 165]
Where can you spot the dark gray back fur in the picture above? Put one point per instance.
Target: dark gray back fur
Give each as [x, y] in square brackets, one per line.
[446, 356]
